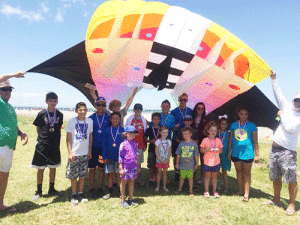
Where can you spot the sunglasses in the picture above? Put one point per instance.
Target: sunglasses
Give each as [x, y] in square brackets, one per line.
[6, 89]
[183, 100]
[98, 105]
[297, 100]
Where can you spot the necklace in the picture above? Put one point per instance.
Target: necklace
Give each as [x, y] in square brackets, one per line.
[222, 137]
[242, 131]
[100, 125]
[136, 125]
[51, 120]
[183, 115]
[114, 138]
[155, 135]
[197, 122]
[81, 134]
[213, 146]
[163, 122]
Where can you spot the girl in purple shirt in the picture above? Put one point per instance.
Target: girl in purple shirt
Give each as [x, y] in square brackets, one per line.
[128, 165]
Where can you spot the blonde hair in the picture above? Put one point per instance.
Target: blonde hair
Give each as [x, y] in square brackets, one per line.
[114, 103]
[162, 128]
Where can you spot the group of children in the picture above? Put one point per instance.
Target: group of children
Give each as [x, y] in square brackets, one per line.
[101, 141]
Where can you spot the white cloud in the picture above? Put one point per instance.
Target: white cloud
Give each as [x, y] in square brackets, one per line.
[17, 11]
[45, 7]
[85, 14]
[26, 95]
[67, 6]
[59, 17]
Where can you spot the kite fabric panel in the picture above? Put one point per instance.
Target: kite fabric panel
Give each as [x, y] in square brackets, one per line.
[153, 45]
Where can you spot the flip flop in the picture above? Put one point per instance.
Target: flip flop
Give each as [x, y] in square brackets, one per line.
[206, 194]
[245, 199]
[270, 202]
[290, 212]
[9, 209]
[191, 194]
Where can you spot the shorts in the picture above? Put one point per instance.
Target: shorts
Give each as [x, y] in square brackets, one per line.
[186, 173]
[78, 168]
[46, 156]
[96, 156]
[141, 155]
[112, 166]
[129, 173]
[215, 168]
[175, 145]
[283, 163]
[6, 156]
[151, 160]
[162, 166]
[247, 161]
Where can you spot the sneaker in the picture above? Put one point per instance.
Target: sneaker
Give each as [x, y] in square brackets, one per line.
[92, 193]
[37, 196]
[99, 193]
[124, 205]
[82, 198]
[133, 203]
[55, 193]
[74, 199]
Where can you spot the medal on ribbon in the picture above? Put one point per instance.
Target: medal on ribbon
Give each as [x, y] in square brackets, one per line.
[114, 138]
[51, 120]
[100, 125]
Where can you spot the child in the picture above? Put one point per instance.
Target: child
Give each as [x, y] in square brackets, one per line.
[243, 150]
[152, 134]
[128, 165]
[140, 124]
[211, 147]
[223, 134]
[188, 120]
[100, 123]
[79, 144]
[187, 159]
[112, 138]
[47, 153]
[163, 154]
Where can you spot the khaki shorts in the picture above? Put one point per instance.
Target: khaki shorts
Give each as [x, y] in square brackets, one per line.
[6, 156]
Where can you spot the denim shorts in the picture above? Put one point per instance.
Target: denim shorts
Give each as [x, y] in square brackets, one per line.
[215, 168]
[112, 166]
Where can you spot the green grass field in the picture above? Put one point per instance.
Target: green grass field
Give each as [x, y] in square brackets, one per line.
[154, 208]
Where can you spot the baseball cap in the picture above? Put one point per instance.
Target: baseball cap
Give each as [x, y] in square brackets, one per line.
[297, 96]
[5, 84]
[100, 99]
[188, 117]
[138, 106]
[130, 129]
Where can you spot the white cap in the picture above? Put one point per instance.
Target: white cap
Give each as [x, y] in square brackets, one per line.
[5, 84]
[297, 96]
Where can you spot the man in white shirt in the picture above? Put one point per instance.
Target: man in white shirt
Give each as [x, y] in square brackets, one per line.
[283, 155]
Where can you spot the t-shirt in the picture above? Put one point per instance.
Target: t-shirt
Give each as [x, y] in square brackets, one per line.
[151, 136]
[194, 135]
[99, 124]
[139, 138]
[45, 136]
[112, 138]
[187, 153]
[128, 153]
[8, 125]
[211, 158]
[164, 147]
[224, 137]
[242, 144]
[79, 129]
[169, 122]
[179, 115]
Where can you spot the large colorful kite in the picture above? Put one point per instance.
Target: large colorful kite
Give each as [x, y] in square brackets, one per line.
[153, 45]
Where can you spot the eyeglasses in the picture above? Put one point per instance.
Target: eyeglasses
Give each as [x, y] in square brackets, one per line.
[6, 89]
[98, 105]
[183, 100]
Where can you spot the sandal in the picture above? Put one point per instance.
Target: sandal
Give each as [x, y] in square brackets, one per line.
[191, 194]
[216, 194]
[270, 202]
[206, 194]
[245, 199]
[290, 212]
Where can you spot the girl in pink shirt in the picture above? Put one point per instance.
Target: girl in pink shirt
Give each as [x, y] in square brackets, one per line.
[211, 147]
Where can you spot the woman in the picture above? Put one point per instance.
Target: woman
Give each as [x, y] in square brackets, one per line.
[199, 117]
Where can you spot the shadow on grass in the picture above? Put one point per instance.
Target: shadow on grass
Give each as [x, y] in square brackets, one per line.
[22, 207]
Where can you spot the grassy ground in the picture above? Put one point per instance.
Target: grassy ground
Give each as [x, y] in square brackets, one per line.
[154, 208]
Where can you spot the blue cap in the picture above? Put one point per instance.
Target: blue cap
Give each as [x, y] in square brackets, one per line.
[138, 106]
[130, 129]
[188, 117]
[100, 99]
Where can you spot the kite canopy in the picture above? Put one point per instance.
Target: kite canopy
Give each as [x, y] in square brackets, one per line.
[143, 44]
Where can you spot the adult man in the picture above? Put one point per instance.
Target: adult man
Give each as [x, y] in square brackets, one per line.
[179, 113]
[283, 155]
[8, 134]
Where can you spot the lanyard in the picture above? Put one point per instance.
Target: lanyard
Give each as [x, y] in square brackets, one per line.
[155, 135]
[213, 145]
[137, 125]
[183, 115]
[100, 125]
[198, 122]
[51, 120]
[242, 130]
[114, 138]
[222, 137]
[166, 120]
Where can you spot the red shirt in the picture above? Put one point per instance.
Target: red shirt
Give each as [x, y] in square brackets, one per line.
[139, 138]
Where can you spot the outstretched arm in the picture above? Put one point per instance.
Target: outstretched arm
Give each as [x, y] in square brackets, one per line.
[5, 77]
[93, 90]
[128, 103]
[280, 99]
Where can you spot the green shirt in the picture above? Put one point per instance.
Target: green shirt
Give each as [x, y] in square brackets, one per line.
[8, 125]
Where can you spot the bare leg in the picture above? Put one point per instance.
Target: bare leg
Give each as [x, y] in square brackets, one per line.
[81, 184]
[122, 189]
[139, 177]
[202, 173]
[165, 179]
[247, 178]
[100, 177]
[40, 176]
[74, 186]
[159, 172]
[110, 178]
[293, 194]
[92, 172]
[52, 175]
[239, 176]
[214, 181]
[225, 178]
[3, 185]
[277, 185]
[131, 188]
[191, 183]
[180, 184]
[118, 179]
[207, 176]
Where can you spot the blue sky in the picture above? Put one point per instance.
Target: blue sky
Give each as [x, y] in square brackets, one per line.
[34, 31]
